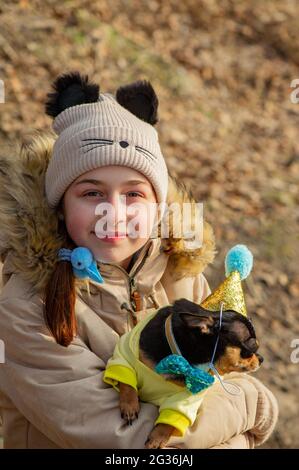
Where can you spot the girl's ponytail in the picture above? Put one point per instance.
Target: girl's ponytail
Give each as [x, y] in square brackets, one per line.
[59, 305]
[60, 293]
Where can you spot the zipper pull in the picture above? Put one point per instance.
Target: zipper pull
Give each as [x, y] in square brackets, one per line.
[133, 316]
[135, 296]
[136, 300]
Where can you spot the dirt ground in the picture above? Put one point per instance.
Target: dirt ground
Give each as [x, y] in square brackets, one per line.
[228, 128]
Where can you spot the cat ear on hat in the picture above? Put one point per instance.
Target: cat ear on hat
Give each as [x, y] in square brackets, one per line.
[140, 99]
[71, 89]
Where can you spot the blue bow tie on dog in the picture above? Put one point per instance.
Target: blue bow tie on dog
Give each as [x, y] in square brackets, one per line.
[196, 379]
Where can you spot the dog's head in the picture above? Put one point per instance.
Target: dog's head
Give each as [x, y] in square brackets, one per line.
[237, 345]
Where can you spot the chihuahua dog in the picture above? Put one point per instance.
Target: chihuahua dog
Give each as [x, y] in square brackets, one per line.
[196, 331]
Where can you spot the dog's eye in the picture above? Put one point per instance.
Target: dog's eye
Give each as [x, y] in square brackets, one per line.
[251, 344]
[245, 354]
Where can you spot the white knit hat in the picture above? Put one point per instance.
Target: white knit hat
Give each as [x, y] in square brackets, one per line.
[96, 130]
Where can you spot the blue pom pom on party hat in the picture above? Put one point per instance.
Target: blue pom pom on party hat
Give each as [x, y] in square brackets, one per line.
[239, 258]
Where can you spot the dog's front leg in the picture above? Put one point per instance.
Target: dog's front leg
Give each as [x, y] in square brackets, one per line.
[159, 436]
[128, 403]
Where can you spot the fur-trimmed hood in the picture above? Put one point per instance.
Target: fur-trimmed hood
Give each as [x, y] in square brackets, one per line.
[31, 233]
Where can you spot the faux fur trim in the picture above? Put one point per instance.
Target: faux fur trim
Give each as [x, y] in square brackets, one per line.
[183, 261]
[31, 233]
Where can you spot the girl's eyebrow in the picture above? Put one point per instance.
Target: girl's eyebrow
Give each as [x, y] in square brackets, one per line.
[99, 182]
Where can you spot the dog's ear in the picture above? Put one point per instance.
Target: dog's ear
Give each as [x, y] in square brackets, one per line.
[194, 316]
[185, 306]
[205, 325]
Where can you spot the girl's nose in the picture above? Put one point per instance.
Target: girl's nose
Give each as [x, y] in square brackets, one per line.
[118, 208]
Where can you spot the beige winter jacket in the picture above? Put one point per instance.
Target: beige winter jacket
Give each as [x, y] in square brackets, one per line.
[54, 397]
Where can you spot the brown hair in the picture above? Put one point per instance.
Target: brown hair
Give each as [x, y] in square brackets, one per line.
[60, 297]
[59, 305]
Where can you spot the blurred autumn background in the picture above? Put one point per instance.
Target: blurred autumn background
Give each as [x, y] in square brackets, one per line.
[222, 71]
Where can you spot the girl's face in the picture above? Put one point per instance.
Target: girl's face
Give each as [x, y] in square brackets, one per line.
[110, 210]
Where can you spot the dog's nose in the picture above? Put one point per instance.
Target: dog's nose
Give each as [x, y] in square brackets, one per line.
[260, 358]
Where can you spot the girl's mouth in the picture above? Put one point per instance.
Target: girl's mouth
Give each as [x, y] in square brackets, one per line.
[111, 238]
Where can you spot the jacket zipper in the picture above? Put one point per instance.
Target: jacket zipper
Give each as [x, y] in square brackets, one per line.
[134, 297]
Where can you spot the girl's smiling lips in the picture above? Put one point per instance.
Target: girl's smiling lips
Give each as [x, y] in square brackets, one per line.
[113, 237]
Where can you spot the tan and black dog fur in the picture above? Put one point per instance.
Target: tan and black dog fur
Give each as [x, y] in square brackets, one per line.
[195, 330]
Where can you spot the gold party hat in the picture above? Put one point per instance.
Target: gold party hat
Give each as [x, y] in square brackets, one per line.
[238, 264]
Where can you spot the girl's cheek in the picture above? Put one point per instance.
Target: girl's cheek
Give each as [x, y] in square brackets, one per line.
[76, 227]
[79, 217]
[80, 207]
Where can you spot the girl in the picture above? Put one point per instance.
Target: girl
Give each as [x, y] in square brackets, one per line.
[61, 313]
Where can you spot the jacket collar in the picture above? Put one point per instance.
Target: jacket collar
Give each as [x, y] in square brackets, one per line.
[115, 271]
[147, 270]
[31, 232]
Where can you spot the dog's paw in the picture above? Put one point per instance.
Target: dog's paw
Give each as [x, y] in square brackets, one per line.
[159, 436]
[129, 411]
[128, 403]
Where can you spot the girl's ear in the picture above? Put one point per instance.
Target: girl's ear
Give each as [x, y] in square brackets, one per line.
[71, 89]
[60, 210]
[140, 99]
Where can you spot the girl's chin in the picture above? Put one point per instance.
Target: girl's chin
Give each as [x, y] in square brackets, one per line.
[111, 254]
[111, 260]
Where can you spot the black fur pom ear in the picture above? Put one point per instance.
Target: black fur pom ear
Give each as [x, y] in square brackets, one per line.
[71, 89]
[140, 99]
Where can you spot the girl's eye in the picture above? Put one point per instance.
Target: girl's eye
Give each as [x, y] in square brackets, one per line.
[133, 194]
[93, 193]
[98, 193]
